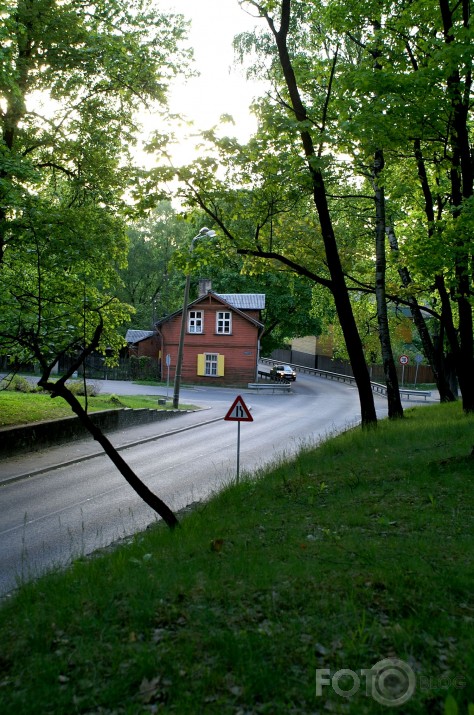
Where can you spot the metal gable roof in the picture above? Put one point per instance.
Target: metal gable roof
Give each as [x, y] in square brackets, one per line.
[135, 336]
[238, 301]
[244, 301]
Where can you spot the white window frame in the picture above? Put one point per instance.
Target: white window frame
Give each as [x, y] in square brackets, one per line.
[196, 321]
[211, 364]
[224, 322]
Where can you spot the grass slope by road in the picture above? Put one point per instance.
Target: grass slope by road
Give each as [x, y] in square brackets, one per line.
[356, 552]
[19, 408]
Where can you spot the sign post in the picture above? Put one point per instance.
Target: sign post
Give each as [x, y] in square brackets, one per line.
[168, 362]
[238, 412]
[418, 360]
[403, 360]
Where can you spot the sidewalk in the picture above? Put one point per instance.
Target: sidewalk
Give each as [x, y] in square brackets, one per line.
[31, 463]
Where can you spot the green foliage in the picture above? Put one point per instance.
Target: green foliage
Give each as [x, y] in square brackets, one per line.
[72, 78]
[55, 285]
[143, 368]
[149, 282]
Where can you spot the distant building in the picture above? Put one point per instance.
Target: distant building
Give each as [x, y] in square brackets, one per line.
[143, 343]
[222, 338]
[311, 349]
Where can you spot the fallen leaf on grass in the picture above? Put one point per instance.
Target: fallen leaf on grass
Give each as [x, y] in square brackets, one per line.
[149, 689]
[217, 544]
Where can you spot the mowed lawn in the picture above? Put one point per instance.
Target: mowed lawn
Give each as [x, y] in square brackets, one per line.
[19, 408]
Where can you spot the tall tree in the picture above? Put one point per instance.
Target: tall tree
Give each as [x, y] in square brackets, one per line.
[456, 27]
[71, 79]
[423, 84]
[372, 142]
[391, 380]
[434, 357]
[334, 264]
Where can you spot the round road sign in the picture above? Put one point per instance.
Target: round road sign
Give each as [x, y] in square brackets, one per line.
[403, 359]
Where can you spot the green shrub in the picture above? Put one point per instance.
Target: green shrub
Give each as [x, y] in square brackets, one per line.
[115, 400]
[78, 388]
[144, 368]
[17, 384]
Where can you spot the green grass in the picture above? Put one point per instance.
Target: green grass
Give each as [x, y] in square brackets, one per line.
[19, 408]
[356, 551]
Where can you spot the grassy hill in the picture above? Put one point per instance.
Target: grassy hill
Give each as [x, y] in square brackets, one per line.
[339, 582]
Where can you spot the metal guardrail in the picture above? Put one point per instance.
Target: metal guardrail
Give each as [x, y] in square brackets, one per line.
[266, 386]
[377, 387]
[416, 393]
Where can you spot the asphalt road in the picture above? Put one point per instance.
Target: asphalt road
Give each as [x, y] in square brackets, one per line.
[68, 501]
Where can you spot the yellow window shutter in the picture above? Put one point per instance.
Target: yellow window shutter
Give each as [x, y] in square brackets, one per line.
[220, 366]
[201, 366]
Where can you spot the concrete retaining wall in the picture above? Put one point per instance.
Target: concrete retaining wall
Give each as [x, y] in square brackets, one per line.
[29, 438]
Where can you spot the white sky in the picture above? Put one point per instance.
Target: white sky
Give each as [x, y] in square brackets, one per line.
[220, 88]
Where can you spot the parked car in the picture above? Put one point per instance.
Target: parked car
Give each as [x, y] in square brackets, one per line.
[282, 372]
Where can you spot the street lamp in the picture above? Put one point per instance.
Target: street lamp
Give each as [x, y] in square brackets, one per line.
[179, 362]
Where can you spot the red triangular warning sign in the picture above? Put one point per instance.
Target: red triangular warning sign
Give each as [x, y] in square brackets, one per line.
[239, 412]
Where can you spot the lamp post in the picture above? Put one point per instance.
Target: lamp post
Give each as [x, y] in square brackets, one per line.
[179, 362]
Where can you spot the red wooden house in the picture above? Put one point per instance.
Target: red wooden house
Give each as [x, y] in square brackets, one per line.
[221, 344]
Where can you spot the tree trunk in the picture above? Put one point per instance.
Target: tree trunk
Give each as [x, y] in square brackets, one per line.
[338, 285]
[395, 408]
[434, 356]
[154, 502]
[10, 119]
[462, 188]
[446, 313]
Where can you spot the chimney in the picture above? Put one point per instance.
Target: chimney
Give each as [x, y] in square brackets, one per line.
[205, 285]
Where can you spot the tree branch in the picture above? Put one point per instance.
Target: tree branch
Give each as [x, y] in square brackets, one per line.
[296, 267]
[53, 165]
[327, 100]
